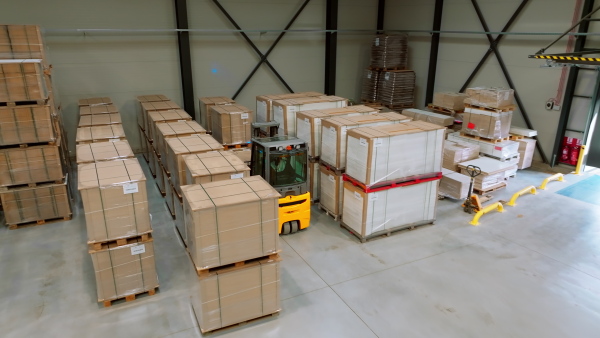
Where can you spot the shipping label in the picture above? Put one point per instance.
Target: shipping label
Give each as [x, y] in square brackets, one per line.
[130, 188]
[138, 249]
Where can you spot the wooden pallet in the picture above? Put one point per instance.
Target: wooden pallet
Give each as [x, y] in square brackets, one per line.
[128, 298]
[202, 272]
[514, 137]
[39, 222]
[483, 192]
[492, 109]
[23, 103]
[388, 232]
[145, 237]
[329, 167]
[27, 145]
[236, 146]
[232, 326]
[484, 139]
[32, 185]
[329, 213]
[386, 69]
[399, 106]
[443, 110]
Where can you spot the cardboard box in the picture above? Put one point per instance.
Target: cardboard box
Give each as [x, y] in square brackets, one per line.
[393, 152]
[500, 150]
[99, 120]
[22, 80]
[164, 116]
[314, 181]
[180, 219]
[335, 129]
[237, 294]
[308, 124]
[389, 51]
[370, 84]
[387, 210]
[30, 204]
[490, 97]
[486, 124]
[231, 221]
[30, 165]
[244, 154]
[454, 185]
[147, 107]
[213, 166]
[21, 42]
[523, 132]
[206, 103]
[26, 124]
[110, 133]
[526, 152]
[284, 111]
[458, 152]
[178, 147]
[427, 116]
[231, 124]
[152, 98]
[141, 115]
[103, 151]
[114, 199]
[97, 109]
[168, 130]
[332, 191]
[397, 88]
[492, 172]
[95, 101]
[450, 100]
[124, 270]
[264, 103]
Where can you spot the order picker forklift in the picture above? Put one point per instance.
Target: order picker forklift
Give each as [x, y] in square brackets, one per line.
[283, 162]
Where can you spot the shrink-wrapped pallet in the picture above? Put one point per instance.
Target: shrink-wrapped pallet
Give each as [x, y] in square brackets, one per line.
[206, 103]
[109, 133]
[22, 80]
[214, 166]
[103, 151]
[26, 124]
[397, 89]
[389, 51]
[264, 103]
[167, 130]
[490, 97]
[231, 124]
[449, 100]
[284, 111]
[30, 165]
[164, 116]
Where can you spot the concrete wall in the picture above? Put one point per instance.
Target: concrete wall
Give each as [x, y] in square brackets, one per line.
[459, 54]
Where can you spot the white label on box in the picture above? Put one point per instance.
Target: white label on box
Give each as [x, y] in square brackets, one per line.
[357, 196]
[378, 142]
[332, 129]
[387, 76]
[239, 175]
[244, 116]
[307, 121]
[369, 75]
[130, 188]
[114, 139]
[376, 41]
[363, 142]
[331, 178]
[180, 120]
[373, 196]
[138, 249]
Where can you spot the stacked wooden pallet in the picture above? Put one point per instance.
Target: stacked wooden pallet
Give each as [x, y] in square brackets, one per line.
[33, 181]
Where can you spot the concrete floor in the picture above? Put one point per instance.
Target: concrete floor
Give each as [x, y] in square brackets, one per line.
[533, 271]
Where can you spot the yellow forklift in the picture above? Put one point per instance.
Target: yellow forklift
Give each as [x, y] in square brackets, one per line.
[283, 162]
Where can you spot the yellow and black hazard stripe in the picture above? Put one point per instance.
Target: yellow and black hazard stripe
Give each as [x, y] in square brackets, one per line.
[565, 58]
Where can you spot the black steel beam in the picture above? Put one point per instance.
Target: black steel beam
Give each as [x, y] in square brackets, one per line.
[185, 58]
[507, 76]
[496, 42]
[565, 111]
[245, 36]
[380, 16]
[331, 23]
[266, 55]
[433, 53]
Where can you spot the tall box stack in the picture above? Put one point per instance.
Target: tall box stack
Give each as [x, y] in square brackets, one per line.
[141, 118]
[284, 111]
[391, 177]
[524, 137]
[205, 104]
[264, 103]
[233, 241]
[231, 124]
[99, 122]
[397, 89]
[389, 52]
[370, 85]
[33, 159]
[488, 113]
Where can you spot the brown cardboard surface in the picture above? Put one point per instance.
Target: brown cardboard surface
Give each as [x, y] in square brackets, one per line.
[526, 151]
[164, 116]
[103, 151]
[95, 101]
[244, 154]
[284, 111]
[231, 124]
[213, 166]
[449, 100]
[490, 97]
[26, 124]
[99, 120]
[486, 124]
[114, 199]
[231, 221]
[120, 272]
[332, 190]
[427, 116]
[97, 109]
[179, 128]
[152, 98]
[264, 103]
[22, 80]
[30, 165]
[108, 133]
[147, 107]
[206, 103]
[455, 153]
[21, 42]
[455, 185]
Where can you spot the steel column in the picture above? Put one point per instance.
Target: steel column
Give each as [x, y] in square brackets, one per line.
[433, 54]
[331, 23]
[380, 16]
[185, 57]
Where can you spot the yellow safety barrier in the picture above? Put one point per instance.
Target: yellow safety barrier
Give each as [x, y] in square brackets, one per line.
[485, 210]
[580, 161]
[556, 177]
[530, 189]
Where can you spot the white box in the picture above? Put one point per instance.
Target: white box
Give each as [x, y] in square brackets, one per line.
[284, 111]
[501, 150]
[332, 191]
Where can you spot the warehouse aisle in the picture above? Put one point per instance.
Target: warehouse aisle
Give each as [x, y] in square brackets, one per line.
[530, 272]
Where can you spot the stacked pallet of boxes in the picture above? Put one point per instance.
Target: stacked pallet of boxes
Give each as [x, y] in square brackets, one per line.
[527, 146]
[33, 184]
[391, 179]
[454, 184]
[284, 111]
[334, 135]
[205, 104]
[145, 142]
[451, 104]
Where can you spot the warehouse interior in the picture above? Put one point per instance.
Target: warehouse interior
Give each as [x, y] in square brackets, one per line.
[527, 270]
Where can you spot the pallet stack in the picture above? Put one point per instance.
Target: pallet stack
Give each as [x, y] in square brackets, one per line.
[33, 161]
[115, 201]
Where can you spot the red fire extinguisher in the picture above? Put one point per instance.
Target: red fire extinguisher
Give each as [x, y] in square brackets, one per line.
[565, 151]
[575, 149]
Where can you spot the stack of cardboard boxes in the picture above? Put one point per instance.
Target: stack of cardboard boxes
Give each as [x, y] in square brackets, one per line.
[33, 184]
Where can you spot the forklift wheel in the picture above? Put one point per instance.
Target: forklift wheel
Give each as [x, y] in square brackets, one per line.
[290, 227]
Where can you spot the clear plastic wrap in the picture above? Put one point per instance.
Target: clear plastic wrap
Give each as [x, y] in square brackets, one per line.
[31, 204]
[397, 88]
[26, 124]
[164, 116]
[449, 100]
[370, 84]
[486, 124]
[264, 103]
[427, 116]
[179, 128]
[104, 108]
[231, 221]
[332, 191]
[178, 147]
[110, 133]
[231, 124]
[284, 111]
[458, 152]
[30, 165]
[21, 42]
[115, 199]
[22, 80]
[99, 120]
[213, 166]
[237, 294]
[103, 151]
[371, 214]
[490, 97]
[389, 51]
[335, 129]
[500, 150]
[94, 101]
[206, 103]
[393, 152]
[124, 270]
